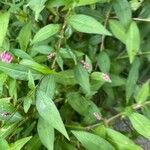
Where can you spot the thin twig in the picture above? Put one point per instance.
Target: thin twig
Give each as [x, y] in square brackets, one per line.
[105, 24]
[107, 121]
[58, 44]
[126, 56]
[136, 19]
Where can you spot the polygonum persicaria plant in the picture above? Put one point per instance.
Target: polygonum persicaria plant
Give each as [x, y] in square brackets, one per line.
[74, 75]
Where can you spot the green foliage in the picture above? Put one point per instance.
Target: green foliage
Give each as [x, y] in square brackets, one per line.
[69, 69]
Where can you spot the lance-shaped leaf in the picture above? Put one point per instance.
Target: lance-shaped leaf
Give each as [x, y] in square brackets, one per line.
[87, 24]
[18, 71]
[133, 41]
[118, 30]
[37, 6]
[141, 124]
[7, 129]
[36, 66]
[103, 61]
[82, 78]
[58, 3]
[120, 141]
[46, 32]
[24, 36]
[46, 133]
[92, 142]
[49, 112]
[123, 11]
[143, 92]
[19, 144]
[132, 79]
[4, 20]
[48, 85]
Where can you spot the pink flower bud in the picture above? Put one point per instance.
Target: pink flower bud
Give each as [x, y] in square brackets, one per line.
[51, 55]
[6, 57]
[106, 77]
[97, 116]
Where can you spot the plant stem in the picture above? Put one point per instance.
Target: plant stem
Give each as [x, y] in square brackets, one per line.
[135, 19]
[58, 44]
[106, 121]
[126, 56]
[105, 24]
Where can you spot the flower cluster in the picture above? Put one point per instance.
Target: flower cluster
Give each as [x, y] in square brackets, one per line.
[85, 65]
[97, 116]
[106, 77]
[51, 55]
[6, 57]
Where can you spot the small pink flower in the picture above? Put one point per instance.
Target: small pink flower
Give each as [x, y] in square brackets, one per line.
[97, 116]
[106, 77]
[6, 57]
[85, 65]
[51, 55]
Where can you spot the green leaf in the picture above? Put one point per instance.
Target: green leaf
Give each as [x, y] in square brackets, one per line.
[143, 92]
[49, 112]
[132, 79]
[87, 24]
[46, 32]
[7, 130]
[18, 71]
[31, 83]
[103, 61]
[118, 30]
[117, 80]
[13, 90]
[141, 124]
[76, 101]
[36, 66]
[91, 141]
[66, 77]
[58, 3]
[37, 6]
[24, 36]
[3, 144]
[48, 85]
[46, 133]
[135, 4]
[22, 54]
[41, 49]
[34, 143]
[64, 146]
[82, 78]
[60, 61]
[89, 2]
[120, 141]
[4, 20]
[123, 11]
[3, 78]
[27, 101]
[8, 111]
[19, 144]
[133, 41]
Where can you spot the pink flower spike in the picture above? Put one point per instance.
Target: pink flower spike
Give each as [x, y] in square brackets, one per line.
[85, 65]
[106, 77]
[97, 116]
[6, 57]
